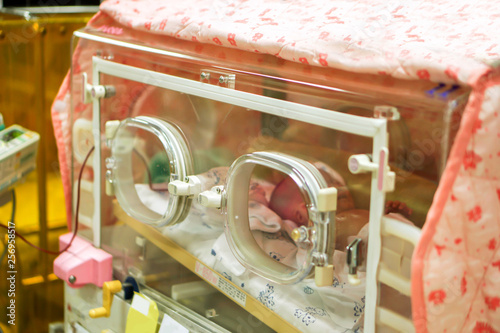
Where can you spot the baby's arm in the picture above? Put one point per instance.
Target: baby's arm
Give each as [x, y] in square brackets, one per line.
[398, 207]
[257, 192]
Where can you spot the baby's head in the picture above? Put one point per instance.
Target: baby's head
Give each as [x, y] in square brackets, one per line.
[287, 201]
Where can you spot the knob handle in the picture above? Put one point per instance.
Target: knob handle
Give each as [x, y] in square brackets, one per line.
[360, 164]
[108, 290]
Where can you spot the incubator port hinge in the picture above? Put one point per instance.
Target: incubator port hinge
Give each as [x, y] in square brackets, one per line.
[362, 163]
[91, 92]
[189, 187]
[212, 198]
[323, 272]
[353, 260]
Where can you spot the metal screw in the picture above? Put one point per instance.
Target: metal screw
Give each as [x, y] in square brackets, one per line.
[211, 313]
[222, 79]
[319, 259]
[186, 179]
[217, 190]
[110, 91]
[72, 279]
[205, 76]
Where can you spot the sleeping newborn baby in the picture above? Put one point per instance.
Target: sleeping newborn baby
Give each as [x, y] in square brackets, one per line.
[287, 202]
[274, 211]
[281, 207]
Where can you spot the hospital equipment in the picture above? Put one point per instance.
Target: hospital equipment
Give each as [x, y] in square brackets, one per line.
[184, 132]
[18, 148]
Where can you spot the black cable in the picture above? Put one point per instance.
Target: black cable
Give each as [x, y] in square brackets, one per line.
[77, 211]
[13, 214]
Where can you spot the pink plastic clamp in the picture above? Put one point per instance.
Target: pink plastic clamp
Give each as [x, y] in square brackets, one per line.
[82, 263]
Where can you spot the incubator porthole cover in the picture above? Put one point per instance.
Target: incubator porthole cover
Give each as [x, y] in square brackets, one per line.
[320, 240]
[146, 154]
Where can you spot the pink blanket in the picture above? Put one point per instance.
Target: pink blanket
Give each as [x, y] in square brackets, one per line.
[456, 267]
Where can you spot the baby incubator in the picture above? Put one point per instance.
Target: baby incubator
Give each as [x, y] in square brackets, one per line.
[240, 191]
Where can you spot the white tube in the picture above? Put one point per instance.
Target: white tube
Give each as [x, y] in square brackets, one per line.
[401, 230]
[394, 280]
[394, 320]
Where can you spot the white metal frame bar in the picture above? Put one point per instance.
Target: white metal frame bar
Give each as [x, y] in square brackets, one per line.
[96, 131]
[367, 127]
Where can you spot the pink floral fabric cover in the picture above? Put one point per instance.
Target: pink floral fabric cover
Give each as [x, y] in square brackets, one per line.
[456, 267]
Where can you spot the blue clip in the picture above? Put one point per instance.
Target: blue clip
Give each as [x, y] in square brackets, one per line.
[433, 90]
[449, 91]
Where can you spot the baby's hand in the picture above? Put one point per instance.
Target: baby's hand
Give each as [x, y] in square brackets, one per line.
[257, 193]
[398, 207]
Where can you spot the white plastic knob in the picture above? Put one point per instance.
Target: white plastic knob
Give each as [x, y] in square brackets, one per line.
[98, 91]
[210, 199]
[361, 163]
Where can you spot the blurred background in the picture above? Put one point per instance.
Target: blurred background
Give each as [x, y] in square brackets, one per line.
[35, 48]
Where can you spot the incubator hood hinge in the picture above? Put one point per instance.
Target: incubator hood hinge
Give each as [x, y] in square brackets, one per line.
[91, 92]
[221, 79]
[386, 112]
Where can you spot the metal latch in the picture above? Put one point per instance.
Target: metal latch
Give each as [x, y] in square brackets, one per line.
[353, 260]
[91, 92]
[363, 163]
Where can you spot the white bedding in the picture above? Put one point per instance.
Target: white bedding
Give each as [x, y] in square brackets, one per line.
[338, 308]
